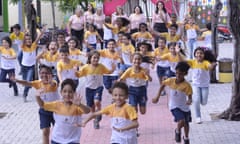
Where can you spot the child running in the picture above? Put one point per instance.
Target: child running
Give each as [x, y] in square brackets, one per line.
[179, 100]
[162, 65]
[110, 57]
[200, 80]
[124, 117]
[50, 57]
[127, 50]
[67, 67]
[90, 37]
[29, 60]
[93, 71]
[66, 113]
[49, 89]
[137, 78]
[8, 63]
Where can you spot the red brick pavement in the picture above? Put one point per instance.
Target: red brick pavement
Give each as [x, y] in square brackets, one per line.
[155, 127]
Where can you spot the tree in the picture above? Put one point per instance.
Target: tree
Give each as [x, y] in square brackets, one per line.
[216, 11]
[233, 112]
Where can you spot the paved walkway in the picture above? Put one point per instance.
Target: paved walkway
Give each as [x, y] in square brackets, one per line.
[21, 123]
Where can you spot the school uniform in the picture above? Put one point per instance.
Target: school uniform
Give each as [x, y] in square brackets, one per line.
[93, 82]
[121, 117]
[137, 82]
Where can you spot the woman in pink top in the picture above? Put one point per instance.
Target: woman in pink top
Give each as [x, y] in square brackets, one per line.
[160, 18]
[119, 13]
[89, 14]
[136, 18]
[99, 19]
[76, 25]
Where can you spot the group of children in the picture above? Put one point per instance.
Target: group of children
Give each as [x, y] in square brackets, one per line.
[122, 67]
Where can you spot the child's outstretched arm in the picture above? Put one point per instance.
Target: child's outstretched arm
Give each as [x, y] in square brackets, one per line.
[155, 99]
[92, 116]
[133, 125]
[23, 82]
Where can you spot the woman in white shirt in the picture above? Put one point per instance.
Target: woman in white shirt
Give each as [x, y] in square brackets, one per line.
[160, 18]
[99, 19]
[136, 18]
[76, 25]
[119, 13]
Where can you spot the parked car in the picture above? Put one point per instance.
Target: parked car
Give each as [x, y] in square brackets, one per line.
[224, 33]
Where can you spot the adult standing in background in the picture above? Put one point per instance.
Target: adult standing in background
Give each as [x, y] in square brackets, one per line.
[89, 15]
[136, 18]
[76, 25]
[99, 19]
[119, 13]
[160, 19]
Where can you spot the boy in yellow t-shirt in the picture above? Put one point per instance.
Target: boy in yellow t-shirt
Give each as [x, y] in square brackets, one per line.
[124, 117]
[180, 97]
[67, 67]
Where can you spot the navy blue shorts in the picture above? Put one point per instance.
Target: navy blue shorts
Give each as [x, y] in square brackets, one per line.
[181, 115]
[108, 81]
[93, 94]
[46, 118]
[162, 71]
[93, 45]
[137, 96]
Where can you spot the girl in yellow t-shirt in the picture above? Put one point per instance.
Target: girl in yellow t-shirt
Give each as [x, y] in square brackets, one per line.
[8, 57]
[50, 57]
[49, 88]
[67, 112]
[200, 66]
[93, 72]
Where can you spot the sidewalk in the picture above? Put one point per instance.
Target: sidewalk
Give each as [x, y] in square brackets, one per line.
[21, 123]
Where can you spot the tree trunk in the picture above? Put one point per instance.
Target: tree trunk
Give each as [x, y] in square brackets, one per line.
[215, 17]
[31, 18]
[233, 112]
[53, 14]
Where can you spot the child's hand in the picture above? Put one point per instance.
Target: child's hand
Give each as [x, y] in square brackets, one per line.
[117, 129]
[155, 100]
[77, 99]
[80, 124]
[39, 92]
[189, 102]
[12, 77]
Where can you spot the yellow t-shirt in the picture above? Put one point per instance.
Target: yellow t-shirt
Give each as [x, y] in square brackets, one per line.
[122, 117]
[91, 37]
[50, 90]
[67, 70]
[170, 38]
[5, 62]
[141, 36]
[29, 55]
[14, 37]
[50, 59]
[94, 75]
[135, 79]
[178, 94]
[64, 130]
[200, 73]
[108, 59]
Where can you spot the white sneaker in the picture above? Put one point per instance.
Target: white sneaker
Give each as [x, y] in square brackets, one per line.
[198, 120]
